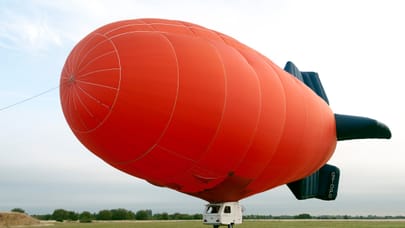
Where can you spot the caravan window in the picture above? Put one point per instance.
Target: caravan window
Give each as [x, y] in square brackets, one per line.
[212, 209]
[227, 209]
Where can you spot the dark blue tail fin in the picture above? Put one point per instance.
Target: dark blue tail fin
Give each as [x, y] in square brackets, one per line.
[311, 79]
[323, 183]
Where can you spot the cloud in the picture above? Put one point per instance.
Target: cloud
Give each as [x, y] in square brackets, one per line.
[24, 32]
[38, 26]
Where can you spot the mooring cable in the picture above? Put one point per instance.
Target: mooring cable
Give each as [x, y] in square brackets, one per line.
[28, 99]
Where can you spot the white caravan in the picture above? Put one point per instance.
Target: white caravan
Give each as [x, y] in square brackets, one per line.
[217, 214]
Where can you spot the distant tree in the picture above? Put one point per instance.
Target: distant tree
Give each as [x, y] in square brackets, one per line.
[180, 216]
[371, 217]
[71, 215]
[258, 217]
[104, 215]
[197, 216]
[59, 215]
[43, 217]
[121, 214]
[130, 215]
[174, 216]
[20, 210]
[161, 216]
[85, 217]
[164, 216]
[303, 216]
[143, 215]
[118, 214]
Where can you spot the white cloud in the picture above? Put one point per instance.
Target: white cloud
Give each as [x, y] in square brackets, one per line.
[26, 32]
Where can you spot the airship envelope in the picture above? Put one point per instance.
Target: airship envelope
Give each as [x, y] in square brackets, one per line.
[194, 110]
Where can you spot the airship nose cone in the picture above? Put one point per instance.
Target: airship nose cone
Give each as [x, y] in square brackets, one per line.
[118, 93]
[90, 83]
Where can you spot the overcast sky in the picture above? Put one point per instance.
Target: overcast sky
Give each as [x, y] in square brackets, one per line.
[357, 47]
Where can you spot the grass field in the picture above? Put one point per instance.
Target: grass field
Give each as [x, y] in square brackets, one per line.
[246, 224]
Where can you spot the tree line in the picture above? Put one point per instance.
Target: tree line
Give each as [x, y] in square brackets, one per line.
[114, 214]
[124, 214]
[308, 216]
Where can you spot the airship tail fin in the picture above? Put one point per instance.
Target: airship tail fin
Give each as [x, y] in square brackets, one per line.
[347, 127]
[311, 79]
[323, 184]
[357, 127]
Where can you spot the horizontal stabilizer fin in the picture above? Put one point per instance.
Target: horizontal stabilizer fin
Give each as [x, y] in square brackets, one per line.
[323, 184]
[357, 127]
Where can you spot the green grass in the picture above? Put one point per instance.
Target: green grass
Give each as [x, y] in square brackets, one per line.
[246, 224]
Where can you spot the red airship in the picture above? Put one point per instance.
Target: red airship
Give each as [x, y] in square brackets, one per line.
[188, 108]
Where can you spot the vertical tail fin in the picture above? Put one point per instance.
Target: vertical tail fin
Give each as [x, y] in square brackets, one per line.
[311, 79]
